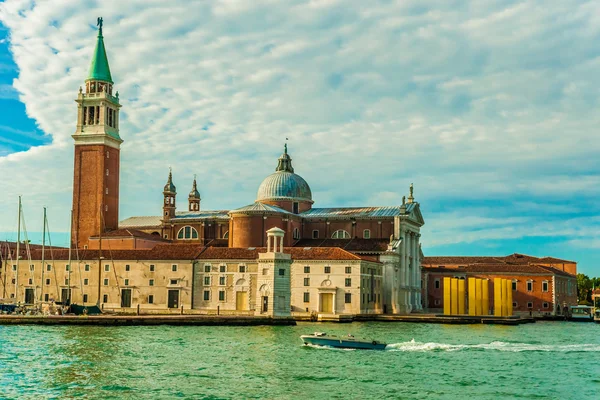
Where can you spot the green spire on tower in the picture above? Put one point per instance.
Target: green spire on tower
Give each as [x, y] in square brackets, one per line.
[99, 69]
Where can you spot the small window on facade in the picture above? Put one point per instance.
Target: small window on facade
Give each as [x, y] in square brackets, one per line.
[307, 270]
[67, 267]
[306, 281]
[207, 268]
[151, 282]
[151, 267]
[86, 281]
[327, 269]
[296, 207]
[106, 268]
[514, 285]
[105, 298]
[106, 173]
[32, 267]
[206, 295]
[66, 281]
[221, 295]
[340, 234]
[105, 282]
[222, 280]
[31, 281]
[437, 283]
[87, 267]
[348, 282]
[222, 268]
[207, 281]
[127, 267]
[242, 269]
[348, 270]
[46, 297]
[514, 304]
[544, 305]
[48, 267]
[126, 282]
[281, 272]
[348, 298]
[530, 286]
[306, 297]
[106, 191]
[367, 234]
[437, 302]
[85, 298]
[150, 299]
[174, 267]
[544, 286]
[173, 281]
[315, 234]
[107, 154]
[296, 233]
[47, 281]
[530, 305]
[14, 267]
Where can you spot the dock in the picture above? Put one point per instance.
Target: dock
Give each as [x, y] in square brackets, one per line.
[144, 320]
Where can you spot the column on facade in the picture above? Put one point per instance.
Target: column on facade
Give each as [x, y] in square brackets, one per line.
[415, 270]
[418, 274]
[402, 272]
[408, 281]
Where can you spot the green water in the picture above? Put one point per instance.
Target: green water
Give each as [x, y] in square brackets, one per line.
[556, 360]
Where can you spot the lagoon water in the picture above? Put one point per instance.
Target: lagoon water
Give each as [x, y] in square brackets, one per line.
[554, 360]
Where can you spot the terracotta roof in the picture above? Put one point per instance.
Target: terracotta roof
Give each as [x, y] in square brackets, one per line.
[355, 245]
[138, 222]
[358, 212]
[553, 260]
[125, 232]
[306, 253]
[515, 258]
[514, 268]
[164, 251]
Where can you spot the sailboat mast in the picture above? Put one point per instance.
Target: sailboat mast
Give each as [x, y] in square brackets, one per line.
[43, 253]
[100, 259]
[18, 256]
[69, 271]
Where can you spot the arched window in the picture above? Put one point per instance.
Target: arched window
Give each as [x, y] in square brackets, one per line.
[296, 233]
[367, 234]
[340, 234]
[187, 233]
[226, 235]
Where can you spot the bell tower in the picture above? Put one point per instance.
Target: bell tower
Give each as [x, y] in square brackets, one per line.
[97, 152]
[169, 194]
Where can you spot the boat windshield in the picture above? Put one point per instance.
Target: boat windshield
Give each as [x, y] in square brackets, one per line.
[581, 311]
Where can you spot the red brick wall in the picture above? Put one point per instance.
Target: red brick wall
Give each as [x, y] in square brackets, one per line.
[378, 231]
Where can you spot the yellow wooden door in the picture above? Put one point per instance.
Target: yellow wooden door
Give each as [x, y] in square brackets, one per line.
[241, 301]
[327, 302]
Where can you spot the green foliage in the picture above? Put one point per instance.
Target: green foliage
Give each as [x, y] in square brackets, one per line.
[585, 285]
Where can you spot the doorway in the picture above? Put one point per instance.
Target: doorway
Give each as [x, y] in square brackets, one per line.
[65, 296]
[241, 301]
[125, 298]
[29, 296]
[173, 299]
[265, 303]
[327, 303]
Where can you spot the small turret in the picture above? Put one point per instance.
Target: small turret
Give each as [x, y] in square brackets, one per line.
[194, 198]
[169, 193]
[411, 197]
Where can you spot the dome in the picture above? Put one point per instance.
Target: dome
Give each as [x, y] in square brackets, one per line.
[170, 187]
[283, 185]
[194, 194]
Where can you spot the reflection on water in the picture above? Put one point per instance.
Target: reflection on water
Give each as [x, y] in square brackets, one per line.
[422, 360]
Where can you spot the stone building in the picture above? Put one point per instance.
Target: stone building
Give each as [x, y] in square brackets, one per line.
[541, 286]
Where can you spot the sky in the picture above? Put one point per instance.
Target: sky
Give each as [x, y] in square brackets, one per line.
[489, 108]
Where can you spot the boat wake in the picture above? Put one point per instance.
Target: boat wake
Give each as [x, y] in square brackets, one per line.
[494, 346]
[314, 346]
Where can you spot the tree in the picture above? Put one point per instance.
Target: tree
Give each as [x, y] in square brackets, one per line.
[584, 288]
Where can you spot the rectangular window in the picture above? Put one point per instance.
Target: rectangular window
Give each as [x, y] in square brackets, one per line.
[14, 267]
[87, 267]
[348, 270]
[47, 281]
[281, 272]
[296, 207]
[206, 295]
[207, 281]
[86, 281]
[306, 281]
[173, 281]
[544, 305]
[367, 234]
[530, 305]
[544, 286]
[126, 282]
[106, 267]
[174, 267]
[348, 282]
[207, 268]
[315, 234]
[48, 267]
[105, 282]
[437, 283]
[222, 280]
[327, 270]
[151, 267]
[150, 299]
[105, 298]
[307, 270]
[306, 297]
[514, 304]
[514, 285]
[151, 282]
[530, 286]
[46, 297]
[222, 268]
[106, 171]
[242, 269]
[31, 281]
[221, 295]
[127, 268]
[66, 281]
[67, 267]
[85, 298]
[32, 267]
[348, 298]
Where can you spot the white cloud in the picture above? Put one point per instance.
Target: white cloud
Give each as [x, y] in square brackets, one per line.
[471, 102]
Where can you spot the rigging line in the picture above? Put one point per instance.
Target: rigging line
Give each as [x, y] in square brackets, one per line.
[3, 262]
[79, 269]
[28, 251]
[52, 258]
[111, 258]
